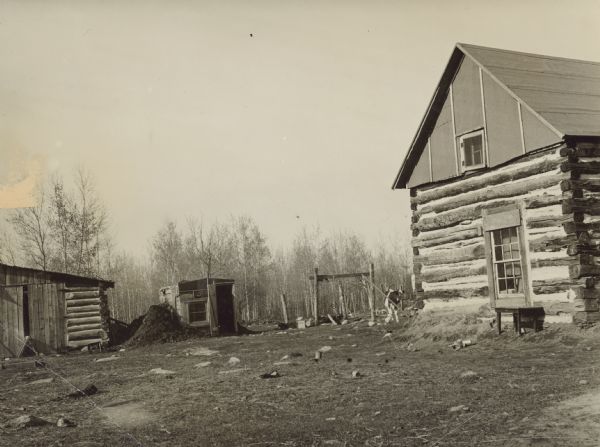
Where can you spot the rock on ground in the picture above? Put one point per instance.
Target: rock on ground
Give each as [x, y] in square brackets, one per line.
[469, 376]
[161, 371]
[28, 421]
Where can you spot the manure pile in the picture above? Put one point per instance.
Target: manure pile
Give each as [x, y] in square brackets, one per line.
[160, 324]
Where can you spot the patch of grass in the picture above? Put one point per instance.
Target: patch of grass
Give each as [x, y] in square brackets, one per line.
[401, 397]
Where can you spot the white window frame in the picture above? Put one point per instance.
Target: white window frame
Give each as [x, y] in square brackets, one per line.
[461, 139]
[505, 261]
[511, 216]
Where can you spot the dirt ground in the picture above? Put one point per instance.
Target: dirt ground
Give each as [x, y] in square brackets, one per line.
[539, 389]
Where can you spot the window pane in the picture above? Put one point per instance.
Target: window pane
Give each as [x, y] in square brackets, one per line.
[506, 252]
[509, 269]
[477, 158]
[506, 236]
[517, 269]
[502, 285]
[497, 239]
[510, 285]
[500, 271]
[498, 251]
[515, 249]
[518, 285]
[513, 235]
[468, 157]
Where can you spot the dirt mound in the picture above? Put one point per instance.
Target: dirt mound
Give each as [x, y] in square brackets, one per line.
[159, 325]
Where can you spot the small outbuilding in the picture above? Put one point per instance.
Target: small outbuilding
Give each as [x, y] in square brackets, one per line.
[504, 180]
[53, 311]
[207, 303]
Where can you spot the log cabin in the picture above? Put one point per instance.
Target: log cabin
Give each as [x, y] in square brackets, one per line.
[53, 311]
[504, 181]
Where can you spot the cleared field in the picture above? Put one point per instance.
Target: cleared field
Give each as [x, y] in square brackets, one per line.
[539, 389]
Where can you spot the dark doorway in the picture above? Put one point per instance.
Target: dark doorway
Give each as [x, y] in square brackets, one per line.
[27, 349]
[225, 308]
[25, 311]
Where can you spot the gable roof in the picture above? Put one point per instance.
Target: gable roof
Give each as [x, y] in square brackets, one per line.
[564, 94]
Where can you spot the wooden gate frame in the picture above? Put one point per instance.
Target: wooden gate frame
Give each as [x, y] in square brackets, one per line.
[316, 279]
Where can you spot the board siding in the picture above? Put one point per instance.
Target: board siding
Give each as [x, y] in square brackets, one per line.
[466, 89]
[421, 173]
[502, 123]
[443, 162]
[448, 268]
[11, 302]
[535, 133]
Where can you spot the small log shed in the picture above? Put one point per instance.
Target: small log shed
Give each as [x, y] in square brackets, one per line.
[504, 180]
[197, 305]
[57, 311]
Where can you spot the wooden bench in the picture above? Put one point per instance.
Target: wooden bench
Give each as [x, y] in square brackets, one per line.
[522, 316]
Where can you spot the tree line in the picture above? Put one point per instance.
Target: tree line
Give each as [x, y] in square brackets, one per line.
[68, 231]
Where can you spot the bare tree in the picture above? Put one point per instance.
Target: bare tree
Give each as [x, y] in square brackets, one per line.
[90, 224]
[8, 253]
[32, 226]
[62, 226]
[252, 262]
[167, 250]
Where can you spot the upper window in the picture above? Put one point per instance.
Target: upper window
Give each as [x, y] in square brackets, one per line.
[471, 148]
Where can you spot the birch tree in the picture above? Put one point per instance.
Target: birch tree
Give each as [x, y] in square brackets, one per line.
[167, 253]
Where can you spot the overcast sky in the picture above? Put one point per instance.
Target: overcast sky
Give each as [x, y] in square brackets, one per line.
[178, 110]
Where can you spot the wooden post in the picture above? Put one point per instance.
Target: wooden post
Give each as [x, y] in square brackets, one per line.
[208, 306]
[235, 309]
[371, 290]
[284, 308]
[316, 296]
[343, 308]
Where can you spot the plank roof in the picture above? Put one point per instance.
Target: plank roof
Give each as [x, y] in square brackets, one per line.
[58, 276]
[564, 94]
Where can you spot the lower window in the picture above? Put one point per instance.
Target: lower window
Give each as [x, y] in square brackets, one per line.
[508, 276]
[506, 253]
[197, 311]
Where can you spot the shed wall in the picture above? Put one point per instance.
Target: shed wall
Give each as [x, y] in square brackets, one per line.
[47, 317]
[61, 315]
[11, 323]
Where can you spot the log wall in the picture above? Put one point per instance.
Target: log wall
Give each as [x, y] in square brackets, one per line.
[87, 315]
[581, 203]
[448, 242]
